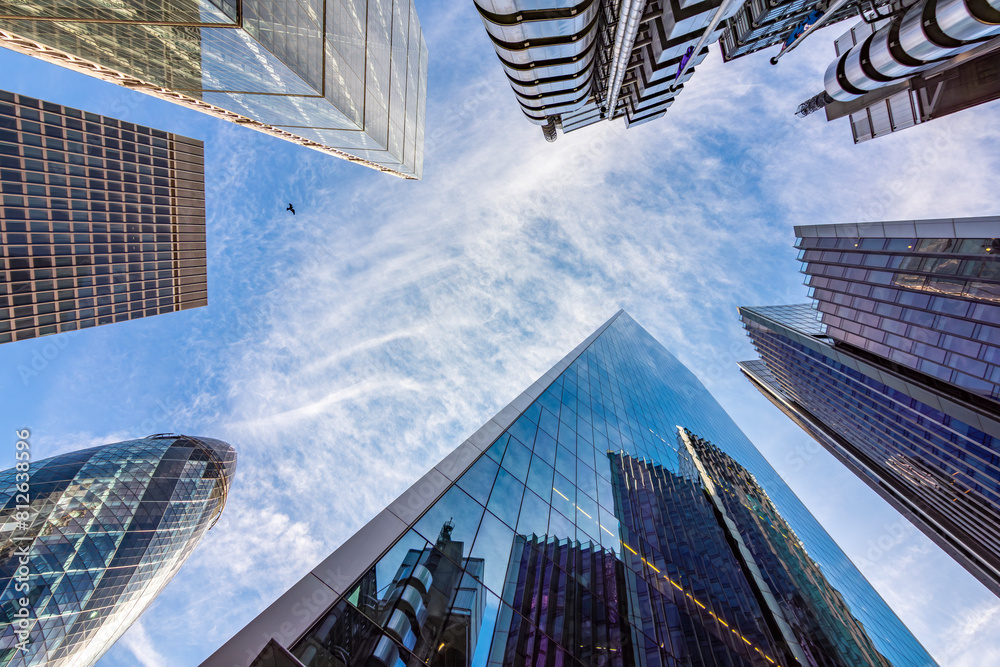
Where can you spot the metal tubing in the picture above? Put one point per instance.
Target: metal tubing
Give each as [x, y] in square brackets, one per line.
[835, 7]
[926, 33]
[716, 19]
[628, 27]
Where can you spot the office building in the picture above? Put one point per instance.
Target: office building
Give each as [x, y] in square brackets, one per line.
[572, 65]
[924, 61]
[105, 530]
[103, 220]
[761, 24]
[611, 514]
[894, 370]
[345, 78]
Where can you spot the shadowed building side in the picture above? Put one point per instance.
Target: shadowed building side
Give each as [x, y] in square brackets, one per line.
[894, 370]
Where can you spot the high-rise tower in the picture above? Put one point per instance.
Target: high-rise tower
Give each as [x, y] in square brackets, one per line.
[573, 64]
[911, 62]
[104, 531]
[346, 78]
[103, 220]
[611, 514]
[896, 370]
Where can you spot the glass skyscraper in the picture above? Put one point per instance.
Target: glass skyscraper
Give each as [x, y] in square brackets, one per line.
[612, 514]
[347, 77]
[895, 369]
[106, 529]
[103, 220]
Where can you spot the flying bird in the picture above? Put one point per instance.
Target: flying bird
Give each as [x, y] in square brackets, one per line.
[291, 208]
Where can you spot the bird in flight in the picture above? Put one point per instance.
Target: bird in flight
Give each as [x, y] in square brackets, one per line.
[291, 208]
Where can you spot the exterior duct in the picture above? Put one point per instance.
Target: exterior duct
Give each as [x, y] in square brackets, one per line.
[926, 33]
[628, 26]
[720, 13]
[549, 130]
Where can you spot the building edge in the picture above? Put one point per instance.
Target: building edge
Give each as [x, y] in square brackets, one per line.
[986, 226]
[974, 411]
[855, 461]
[289, 617]
[54, 56]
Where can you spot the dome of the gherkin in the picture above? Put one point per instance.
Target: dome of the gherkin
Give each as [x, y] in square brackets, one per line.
[88, 539]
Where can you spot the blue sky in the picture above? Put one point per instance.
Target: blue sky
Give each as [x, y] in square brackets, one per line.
[347, 349]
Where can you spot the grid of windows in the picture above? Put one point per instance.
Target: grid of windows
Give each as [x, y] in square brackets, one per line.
[102, 220]
[595, 544]
[108, 528]
[946, 471]
[319, 74]
[931, 304]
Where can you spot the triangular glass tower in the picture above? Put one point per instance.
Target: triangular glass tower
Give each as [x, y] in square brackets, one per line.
[612, 514]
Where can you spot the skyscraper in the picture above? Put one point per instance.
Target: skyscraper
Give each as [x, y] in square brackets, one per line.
[346, 78]
[602, 533]
[103, 220]
[760, 25]
[571, 65]
[105, 530]
[896, 370]
[917, 62]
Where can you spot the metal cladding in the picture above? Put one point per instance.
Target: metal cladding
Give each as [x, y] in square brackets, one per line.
[548, 54]
[572, 65]
[923, 35]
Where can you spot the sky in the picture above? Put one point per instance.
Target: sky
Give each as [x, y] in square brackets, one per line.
[346, 349]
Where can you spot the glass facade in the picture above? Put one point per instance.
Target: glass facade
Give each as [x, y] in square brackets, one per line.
[932, 455]
[344, 76]
[102, 220]
[930, 304]
[107, 529]
[611, 515]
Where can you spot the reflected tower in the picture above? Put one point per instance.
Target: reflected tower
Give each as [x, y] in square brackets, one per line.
[108, 527]
[599, 533]
[895, 369]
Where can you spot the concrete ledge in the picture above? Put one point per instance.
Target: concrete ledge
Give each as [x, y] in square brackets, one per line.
[361, 550]
[285, 620]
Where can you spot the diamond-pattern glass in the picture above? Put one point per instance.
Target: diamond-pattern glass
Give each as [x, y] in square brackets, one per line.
[108, 528]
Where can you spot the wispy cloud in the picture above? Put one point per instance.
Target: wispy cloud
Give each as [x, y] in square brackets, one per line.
[348, 348]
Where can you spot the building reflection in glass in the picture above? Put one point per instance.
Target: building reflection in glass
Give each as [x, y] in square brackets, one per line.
[594, 532]
[432, 608]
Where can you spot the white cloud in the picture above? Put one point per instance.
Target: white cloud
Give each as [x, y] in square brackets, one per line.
[347, 349]
[137, 641]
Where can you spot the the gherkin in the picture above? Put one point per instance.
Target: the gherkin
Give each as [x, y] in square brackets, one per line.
[106, 529]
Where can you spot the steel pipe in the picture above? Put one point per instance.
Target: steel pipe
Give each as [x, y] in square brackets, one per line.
[628, 27]
[827, 15]
[926, 33]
